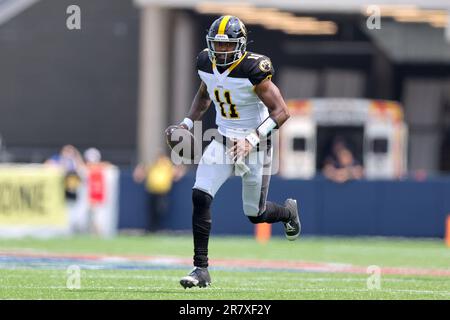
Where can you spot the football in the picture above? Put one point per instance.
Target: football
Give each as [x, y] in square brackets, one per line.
[183, 144]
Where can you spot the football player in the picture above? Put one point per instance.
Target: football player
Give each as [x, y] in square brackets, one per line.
[248, 107]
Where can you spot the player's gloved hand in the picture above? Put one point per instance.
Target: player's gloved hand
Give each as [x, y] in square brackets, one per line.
[238, 154]
[240, 150]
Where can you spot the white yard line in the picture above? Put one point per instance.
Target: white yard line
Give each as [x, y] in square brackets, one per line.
[297, 278]
[225, 289]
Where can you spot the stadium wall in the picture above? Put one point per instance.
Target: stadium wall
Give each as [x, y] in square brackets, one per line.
[358, 208]
[61, 86]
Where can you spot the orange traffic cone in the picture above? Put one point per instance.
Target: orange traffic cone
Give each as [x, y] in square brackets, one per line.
[263, 232]
[447, 231]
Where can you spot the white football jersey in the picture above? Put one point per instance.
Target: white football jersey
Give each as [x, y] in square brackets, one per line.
[238, 108]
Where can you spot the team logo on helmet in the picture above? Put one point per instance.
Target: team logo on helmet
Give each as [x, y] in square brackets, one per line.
[265, 65]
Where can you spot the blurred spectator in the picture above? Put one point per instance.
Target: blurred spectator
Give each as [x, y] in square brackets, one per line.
[420, 175]
[158, 178]
[96, 177]
[93, 156]
[70, 160]
[341, 165]
[96, 185]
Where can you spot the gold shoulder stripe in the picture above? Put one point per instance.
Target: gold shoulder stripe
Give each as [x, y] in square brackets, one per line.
[269, 77]
[223, 25]
[234, 65]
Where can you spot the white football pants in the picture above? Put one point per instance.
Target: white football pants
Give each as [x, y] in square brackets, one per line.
[216, 167]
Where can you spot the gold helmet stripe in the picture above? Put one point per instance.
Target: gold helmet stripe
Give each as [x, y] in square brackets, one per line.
[223, 24]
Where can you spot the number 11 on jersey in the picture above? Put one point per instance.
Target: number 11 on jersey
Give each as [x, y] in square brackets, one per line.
[232, 113]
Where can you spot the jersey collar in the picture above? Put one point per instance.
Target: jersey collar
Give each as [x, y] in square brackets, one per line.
[222, 76]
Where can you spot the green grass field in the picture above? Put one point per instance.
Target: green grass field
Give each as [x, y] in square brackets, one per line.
[24, 278]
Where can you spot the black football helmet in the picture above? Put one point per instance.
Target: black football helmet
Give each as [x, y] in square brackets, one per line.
[227, 29]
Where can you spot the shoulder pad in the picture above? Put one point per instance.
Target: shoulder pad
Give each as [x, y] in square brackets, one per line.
[259, 67]
[203, 62]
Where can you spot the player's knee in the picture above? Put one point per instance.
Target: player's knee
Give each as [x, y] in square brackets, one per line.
[255, 220]
[201, 199]
[251, 211]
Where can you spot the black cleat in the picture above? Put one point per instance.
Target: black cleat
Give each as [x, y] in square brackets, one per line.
[199, 277]
[293, 227]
